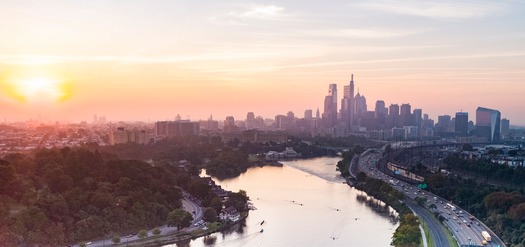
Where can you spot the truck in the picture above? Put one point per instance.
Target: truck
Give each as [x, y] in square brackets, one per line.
[486, 235]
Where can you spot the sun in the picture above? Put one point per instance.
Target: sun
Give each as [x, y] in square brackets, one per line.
[39, 89]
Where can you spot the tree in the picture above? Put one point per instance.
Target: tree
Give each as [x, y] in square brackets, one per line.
[7, 173]
[116, 239]
[157, 231]
[432, 206]
[421, 200]
[238, 200]
[179, 218]
[143, 233]
[210, 215]
[216, 203]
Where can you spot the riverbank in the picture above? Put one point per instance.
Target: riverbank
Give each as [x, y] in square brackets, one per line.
[183, 235]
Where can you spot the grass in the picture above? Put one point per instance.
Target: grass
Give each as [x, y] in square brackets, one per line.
[452, 241]
[430, 240]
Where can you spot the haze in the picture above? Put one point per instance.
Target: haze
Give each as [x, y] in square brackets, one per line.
[152, 60]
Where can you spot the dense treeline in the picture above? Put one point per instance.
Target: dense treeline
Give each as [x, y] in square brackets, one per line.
[487, 170]
[66, 195]
[502, 210]
[298, 145]
[229, 163]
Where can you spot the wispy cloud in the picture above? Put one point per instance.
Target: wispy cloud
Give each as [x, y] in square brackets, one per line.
[199, 57]
[259, 12]
[445, 10]
[251, 12]
[363, 33]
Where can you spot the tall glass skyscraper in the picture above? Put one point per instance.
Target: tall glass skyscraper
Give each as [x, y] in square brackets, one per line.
[488, 123]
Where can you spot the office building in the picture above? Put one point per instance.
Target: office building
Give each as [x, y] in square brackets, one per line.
[170, 129]
[488, 124]
[461, 123]
[348, 105]
[505, 125]
[417, 116]
[393, 116]
[406, 115]
[330, 107]
[250, 120]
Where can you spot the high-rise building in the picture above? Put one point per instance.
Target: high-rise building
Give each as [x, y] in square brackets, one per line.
[418, 118]
[229, 125]
[393, 116]
[505, 125]
[347, 104]
[381, 113]
[443, 124]
[283, 122]
[405, 115]
[461, 123]
[360, 105]
[250, 120]
[308, 114]
[488, 123]
[330, 107]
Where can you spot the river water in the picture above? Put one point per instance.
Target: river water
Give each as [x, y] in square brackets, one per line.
[304, 203]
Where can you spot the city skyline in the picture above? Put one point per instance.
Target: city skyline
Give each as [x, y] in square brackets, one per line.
[67, 61]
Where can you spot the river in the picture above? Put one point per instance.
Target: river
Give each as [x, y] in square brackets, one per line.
[303, 203]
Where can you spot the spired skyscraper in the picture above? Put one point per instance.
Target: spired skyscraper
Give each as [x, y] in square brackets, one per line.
[488, 124]
[348, 105]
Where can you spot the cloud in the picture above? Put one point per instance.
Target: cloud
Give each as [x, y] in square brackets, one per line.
[259, 12]
[363, 33]
[444, 10]
[252, 12]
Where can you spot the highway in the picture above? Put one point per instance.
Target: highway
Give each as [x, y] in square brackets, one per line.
[436, 231]
[464, 227]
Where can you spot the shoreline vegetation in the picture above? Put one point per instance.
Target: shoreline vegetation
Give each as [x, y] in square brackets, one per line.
[184, 236]
[408, 232]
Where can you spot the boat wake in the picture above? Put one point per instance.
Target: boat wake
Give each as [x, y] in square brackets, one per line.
[320, 167]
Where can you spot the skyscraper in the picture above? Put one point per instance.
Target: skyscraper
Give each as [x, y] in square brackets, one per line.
[488, 123]
[330, 107]
[461, 124]
[505, 125]
[393, 116]
[443, 123]
[418, 118]
[360, 105]
[381, 114]
[347, 104]
[405, 115]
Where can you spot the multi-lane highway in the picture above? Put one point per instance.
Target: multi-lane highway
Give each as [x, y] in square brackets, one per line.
[464, 227]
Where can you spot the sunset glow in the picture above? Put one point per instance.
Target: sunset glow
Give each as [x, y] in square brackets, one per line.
[233, 57]
[38, 90]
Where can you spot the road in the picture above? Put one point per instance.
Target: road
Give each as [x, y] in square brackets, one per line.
[436, 231]
[464, 227]
[187, 204]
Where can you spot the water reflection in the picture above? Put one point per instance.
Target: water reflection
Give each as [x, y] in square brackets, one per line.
[304, 203]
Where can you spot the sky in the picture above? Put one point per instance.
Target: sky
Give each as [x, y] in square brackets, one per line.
[151, 60]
